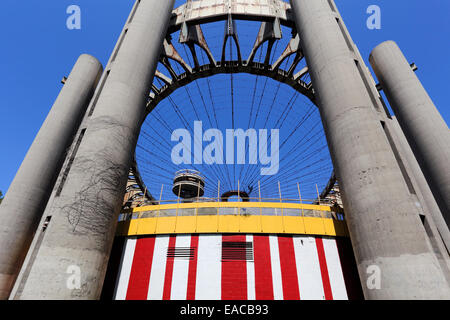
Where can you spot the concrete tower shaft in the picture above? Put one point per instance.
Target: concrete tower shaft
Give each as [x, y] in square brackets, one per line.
[424, 127]
[85, 209]
[384, 224]
[30, 190]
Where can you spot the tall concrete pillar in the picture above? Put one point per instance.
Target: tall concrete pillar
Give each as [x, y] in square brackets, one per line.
[388, 238]
[431, 216]
[30, 190]
[84, 213]
[425, 129]
[424, 192]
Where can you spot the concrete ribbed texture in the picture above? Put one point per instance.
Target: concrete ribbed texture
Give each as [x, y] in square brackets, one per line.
[424, 127]
[30, 190]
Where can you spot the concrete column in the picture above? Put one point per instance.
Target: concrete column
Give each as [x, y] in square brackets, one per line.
[84, 213]
[425, 129]
[425, 195]
[435, 226]
[30, 190]
[389, 240]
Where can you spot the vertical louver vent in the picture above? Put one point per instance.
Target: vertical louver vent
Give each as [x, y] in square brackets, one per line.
[237, 251]
[182, 253]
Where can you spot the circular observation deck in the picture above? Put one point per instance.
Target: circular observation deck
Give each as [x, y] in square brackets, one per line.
[188, 184]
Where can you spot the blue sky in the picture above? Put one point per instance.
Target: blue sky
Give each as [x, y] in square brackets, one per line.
[38, 50]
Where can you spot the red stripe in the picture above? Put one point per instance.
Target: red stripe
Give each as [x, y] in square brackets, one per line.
[169, 271]
[192, 273]
[324, 270]
[234, 274]
[263, 268]
[141, 268]
[288, 268]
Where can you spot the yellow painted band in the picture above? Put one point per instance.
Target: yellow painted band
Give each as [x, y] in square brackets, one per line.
[233, 224]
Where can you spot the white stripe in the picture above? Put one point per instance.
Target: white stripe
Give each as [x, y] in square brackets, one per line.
[251, 290]
[157, 275]
[308, 268]
[209, 268]
[335, 273]
[276, 268]
[180, 270]
[125, 269]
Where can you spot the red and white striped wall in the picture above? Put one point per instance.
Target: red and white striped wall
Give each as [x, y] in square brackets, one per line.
[237, 267]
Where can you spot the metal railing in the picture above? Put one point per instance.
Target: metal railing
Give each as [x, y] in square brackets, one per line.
[145, 202]
[212, 206]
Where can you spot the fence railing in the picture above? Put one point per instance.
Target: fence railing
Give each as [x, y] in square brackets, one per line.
[146, 202]
[171, 208]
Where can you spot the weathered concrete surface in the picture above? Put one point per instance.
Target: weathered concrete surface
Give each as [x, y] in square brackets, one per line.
[425, 129]
[424, 194]
[84, 214]
[384, 223]
[30, 190]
